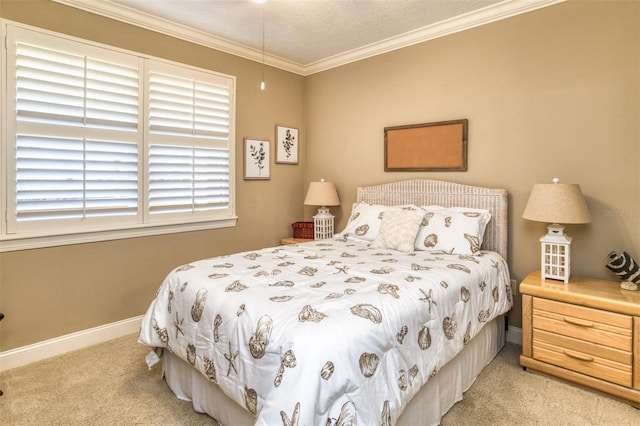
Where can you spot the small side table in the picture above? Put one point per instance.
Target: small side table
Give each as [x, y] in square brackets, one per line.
[586, 331]
[291, 240]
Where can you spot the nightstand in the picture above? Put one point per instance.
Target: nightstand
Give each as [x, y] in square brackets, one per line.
[586, 331]
[292, 240]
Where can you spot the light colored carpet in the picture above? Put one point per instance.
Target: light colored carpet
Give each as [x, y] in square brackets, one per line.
[109, 384]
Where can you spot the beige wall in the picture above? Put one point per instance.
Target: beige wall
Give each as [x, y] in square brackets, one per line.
[46, 293]
[551, 93]
[555, 92]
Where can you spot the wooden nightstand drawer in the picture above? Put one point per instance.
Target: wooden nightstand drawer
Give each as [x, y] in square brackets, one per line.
[618, 356]
[585, 363]
[591, 325]
[586, 331]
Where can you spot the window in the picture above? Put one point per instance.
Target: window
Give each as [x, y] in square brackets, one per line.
[101, 141]
[188, 136]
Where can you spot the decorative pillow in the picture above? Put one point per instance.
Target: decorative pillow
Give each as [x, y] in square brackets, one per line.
[364, 222]
[398, 230]
[458, 230]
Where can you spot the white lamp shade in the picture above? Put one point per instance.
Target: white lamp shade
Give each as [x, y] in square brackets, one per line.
[322, 194]
[557, 203]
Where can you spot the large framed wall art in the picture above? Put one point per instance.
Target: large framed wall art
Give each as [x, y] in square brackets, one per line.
[440, 146]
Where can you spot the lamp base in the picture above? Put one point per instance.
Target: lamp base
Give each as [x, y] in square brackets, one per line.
[323, 224]
[555, 259]
[556, 231]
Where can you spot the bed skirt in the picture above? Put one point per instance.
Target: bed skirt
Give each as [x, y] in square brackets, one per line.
[426, 408]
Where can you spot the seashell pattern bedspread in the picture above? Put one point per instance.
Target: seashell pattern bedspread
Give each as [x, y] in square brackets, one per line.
[325, 332]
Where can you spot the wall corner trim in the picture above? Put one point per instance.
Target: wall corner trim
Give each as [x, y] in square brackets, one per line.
[514, 335]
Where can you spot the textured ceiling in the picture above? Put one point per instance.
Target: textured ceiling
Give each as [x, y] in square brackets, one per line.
[309, 35]
[306, 31]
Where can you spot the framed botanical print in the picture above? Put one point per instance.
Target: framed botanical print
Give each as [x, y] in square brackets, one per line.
[256, 159]
[287, 143]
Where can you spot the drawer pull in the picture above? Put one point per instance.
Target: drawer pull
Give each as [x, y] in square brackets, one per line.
[576, 321]
[578, 356]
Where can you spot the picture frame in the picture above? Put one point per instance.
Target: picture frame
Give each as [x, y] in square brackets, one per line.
[287, 143]
[438, 146]
[257, 159]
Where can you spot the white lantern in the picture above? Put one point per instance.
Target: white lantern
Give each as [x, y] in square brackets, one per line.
[323, 224]
[555, 255]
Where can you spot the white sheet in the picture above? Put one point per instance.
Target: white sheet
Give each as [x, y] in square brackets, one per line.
[327, 330]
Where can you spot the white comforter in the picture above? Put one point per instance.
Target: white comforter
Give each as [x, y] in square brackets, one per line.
[326, 332]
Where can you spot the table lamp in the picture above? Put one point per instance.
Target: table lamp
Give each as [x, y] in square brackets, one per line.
[322, 194]
[556, 203]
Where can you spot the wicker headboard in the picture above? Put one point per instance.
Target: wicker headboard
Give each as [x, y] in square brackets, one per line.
[423, 192]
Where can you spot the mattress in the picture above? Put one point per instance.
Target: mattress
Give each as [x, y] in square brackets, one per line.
[326, 332]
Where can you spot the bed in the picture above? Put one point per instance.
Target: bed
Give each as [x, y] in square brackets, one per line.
[387, 323]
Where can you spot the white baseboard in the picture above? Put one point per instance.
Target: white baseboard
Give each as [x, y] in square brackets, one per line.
[514, 335]
[38, 351]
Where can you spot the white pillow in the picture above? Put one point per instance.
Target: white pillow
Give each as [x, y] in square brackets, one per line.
[398, 230]
[458, 230]
[364, 222]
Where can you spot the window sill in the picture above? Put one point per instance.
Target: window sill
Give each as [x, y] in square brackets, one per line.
[15, 243]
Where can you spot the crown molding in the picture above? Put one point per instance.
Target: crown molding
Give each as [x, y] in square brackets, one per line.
[164, 26]
[493, 13]
[487, 15]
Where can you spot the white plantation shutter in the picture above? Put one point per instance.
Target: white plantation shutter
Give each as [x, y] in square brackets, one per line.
[187, 107]
[49, 86]
[189, 142]
[72, 90]
[77, 134]
[60, 178]
[100, 139]
[187, 179]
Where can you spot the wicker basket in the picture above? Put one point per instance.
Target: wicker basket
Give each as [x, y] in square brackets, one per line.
[302, 230]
